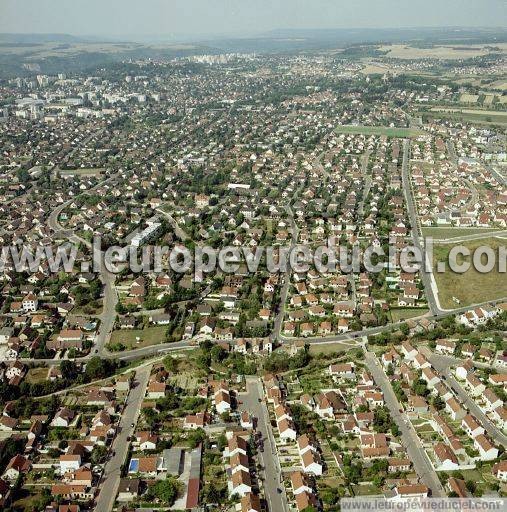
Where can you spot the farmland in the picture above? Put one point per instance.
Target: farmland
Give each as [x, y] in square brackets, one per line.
[471, 115]
[401, 51]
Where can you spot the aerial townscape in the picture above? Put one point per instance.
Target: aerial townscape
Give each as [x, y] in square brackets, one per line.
[127, 387]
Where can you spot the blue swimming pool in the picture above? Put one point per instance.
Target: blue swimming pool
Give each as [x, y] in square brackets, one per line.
[134, 465]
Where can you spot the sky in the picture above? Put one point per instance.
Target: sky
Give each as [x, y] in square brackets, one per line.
[201, 18]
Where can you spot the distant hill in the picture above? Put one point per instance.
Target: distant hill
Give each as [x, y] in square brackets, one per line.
[28, 54]
[40, 38]
[293, 40]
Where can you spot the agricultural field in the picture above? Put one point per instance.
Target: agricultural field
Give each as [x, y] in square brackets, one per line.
[470, 115]
[402, 51]
[469, 98]
[470, 287]
[57, 49]
[379, 130]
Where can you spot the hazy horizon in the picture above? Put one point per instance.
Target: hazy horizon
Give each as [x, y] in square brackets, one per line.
[197, 19]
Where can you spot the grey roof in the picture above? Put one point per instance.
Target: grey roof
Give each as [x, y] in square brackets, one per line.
[172, 460]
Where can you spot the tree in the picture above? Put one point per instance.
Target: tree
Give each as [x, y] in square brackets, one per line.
[382, 421]
[166, 490]
[170, 364]
[218, 353]
[98, 454]
[196, 437]
[471, 486]
[69, 369]
[98, 368]
[212, 494]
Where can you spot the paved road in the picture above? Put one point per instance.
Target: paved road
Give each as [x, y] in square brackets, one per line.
[367, 186]
[277, 329]
[110, 298]
[269, 457]
[426, 277]
[112, 471]
[501, 178]
[442, 365]
[182, 235]
[162, 348]
[409, 437]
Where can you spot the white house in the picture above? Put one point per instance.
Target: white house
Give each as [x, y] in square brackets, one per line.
[69, 463]
[471, 427]
[486, 450]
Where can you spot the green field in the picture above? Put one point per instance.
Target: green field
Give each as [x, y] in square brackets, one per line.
[446, 232]
[470, 287]
[81, 172]
[397, 315]
[379, 130]
[330, 348]
[149, 336]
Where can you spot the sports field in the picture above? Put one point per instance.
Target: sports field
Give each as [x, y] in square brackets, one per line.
[379, 130]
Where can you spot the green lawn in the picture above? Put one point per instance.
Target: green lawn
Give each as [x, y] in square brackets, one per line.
[379, 130]
[398, 315]
[82, 172]
[329, 348]
[149, 336]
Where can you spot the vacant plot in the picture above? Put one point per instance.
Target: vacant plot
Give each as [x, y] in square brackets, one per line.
[139, 338]
[489, 99]
[329, 348]
[185, 380]
[36, 375]
[375, 69]
[379, 130]
[470, 287]
[444, 233]
[398, 315]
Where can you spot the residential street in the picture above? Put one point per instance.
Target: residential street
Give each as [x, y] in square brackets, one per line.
[410, 439]
[110, 298]
[224, 240]
[112, 471]
[441, 365]
[426, 277]
[277, 329]
[269, 457]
